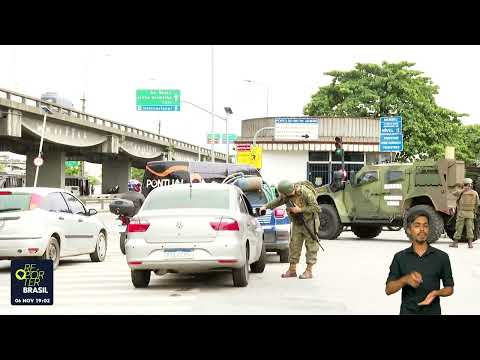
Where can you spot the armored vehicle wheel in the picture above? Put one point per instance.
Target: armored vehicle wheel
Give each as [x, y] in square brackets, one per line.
[435, 221]
[366, 231]
[450, 230]
[330, 225]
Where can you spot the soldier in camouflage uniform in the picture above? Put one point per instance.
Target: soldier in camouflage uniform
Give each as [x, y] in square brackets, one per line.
[303, 201]
[467, 206]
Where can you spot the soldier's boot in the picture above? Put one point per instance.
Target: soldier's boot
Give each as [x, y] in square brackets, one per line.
[307, 273]
[470, 245]
[455, 244]
[291, 272]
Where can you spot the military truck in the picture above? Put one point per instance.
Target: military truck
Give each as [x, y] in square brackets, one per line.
[386, 194]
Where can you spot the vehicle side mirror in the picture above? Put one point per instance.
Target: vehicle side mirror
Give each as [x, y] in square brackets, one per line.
[260, 213]
[92, 212]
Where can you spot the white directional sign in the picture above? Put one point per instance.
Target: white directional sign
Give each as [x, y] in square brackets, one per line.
[296, 128]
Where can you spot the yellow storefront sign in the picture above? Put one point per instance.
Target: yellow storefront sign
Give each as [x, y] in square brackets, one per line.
[252, 157]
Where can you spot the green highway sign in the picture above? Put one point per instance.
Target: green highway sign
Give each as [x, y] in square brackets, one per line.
[72, 163]
[158, 100]
[218, 138]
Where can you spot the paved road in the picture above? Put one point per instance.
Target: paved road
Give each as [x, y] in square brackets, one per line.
[349, 279]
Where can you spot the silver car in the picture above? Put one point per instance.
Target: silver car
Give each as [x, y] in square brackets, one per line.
[48, 223]
[195, 228]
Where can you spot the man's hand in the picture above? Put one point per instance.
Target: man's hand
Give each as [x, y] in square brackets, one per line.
[430, 297]
[295, 210]
[414, 279]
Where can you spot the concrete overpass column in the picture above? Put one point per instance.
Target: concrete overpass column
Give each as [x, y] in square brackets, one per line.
[115, 172]
[50, 174]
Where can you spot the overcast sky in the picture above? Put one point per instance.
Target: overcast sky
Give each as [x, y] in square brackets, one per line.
[109, 76]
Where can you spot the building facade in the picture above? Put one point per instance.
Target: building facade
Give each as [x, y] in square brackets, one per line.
[315, 159]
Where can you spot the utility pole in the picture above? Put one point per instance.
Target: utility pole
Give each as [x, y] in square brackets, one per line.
[82, 163]
[159, 127]
[213, 115]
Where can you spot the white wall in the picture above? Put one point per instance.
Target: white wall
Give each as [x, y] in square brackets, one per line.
[279, 165]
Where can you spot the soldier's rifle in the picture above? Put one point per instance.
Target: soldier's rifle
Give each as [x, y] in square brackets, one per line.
[300, 217]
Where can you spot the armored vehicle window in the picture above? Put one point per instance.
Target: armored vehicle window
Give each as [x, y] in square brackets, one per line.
[368, 177]
[392, 176]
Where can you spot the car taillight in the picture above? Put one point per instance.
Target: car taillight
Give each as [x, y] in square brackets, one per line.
[35, 201]
[279, 213]
[5, 193]
[137, 226]
[225, 224]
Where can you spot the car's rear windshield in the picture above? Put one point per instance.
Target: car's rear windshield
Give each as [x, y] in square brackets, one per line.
[256, 197]
[171, 198]
[14, 202]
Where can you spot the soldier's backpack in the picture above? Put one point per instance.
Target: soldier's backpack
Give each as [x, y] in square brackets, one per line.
[309, 185]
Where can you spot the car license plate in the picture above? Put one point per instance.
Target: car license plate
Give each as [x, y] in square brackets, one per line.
[179, 253]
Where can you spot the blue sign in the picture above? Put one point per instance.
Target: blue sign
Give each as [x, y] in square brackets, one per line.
[32, 282]
[391, 135]
[158, 108]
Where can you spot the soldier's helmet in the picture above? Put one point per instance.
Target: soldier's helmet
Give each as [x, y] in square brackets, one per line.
[285, 187]
[467, 181]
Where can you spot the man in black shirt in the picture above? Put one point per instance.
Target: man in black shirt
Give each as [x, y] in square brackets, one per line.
[418, 269]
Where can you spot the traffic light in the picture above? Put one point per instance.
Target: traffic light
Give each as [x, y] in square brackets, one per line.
[338, 145]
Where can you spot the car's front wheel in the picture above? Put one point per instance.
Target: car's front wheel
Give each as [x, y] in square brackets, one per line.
[140, 278]
[259, 265]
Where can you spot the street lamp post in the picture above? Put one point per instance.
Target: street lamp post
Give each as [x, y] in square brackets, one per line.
[46, 110]
[259, 131]
[228, 111]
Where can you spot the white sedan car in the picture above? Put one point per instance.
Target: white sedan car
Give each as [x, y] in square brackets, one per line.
[195, 228]
[48, 223]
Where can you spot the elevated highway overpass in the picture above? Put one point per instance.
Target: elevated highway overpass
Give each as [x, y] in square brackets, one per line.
[75, 135]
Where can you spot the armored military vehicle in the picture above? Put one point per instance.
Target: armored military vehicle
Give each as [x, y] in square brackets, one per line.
[386, 194]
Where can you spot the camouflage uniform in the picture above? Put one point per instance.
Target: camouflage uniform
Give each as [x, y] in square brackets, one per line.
[467, 206]
[306, 201]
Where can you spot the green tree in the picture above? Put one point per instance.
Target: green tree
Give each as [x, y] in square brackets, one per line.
[471, 136]
[137, 174]
[93, 180]
[72, 171]
[372, 90]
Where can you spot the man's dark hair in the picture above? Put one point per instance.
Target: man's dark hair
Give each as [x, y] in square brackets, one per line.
[411, 219]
